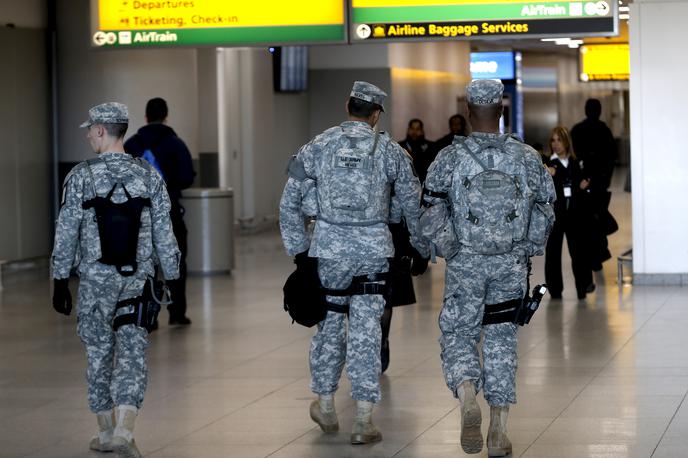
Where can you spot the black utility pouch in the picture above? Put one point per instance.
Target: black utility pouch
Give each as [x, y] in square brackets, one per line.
[304, 298]
[146, 307]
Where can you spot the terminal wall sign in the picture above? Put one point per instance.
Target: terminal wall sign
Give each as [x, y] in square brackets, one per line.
[493, 65]
[401, 20]
[605, 62]
[130, 23]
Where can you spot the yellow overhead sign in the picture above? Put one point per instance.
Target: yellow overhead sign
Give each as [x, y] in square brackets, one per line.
[378, 3]
[605, 62]
[185, 14]
[142, 23]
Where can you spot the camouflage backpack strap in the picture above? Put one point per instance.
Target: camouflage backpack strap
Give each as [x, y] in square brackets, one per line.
[375, 142]
[89, 163]
[475, 157]
[496, 144]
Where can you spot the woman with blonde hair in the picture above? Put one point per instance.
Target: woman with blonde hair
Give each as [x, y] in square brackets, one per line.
[570, 209]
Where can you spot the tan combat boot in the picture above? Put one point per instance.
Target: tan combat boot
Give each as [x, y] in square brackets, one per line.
[102, 442]
[324, 414]
[123, 437]
[471, 418]
[364, 431]
[497, 442]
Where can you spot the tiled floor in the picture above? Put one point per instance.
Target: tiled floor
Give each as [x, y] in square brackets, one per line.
[606, 377]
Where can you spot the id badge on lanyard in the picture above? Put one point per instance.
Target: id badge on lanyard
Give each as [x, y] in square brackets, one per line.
[567, 191]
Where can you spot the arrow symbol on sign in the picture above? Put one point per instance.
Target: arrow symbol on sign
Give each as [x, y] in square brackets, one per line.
[99, 38]
[602, 8]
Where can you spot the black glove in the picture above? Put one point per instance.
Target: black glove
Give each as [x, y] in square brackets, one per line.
[62, 298]
[419, 264]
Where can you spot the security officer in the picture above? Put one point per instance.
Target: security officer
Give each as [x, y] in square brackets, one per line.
[117, 373]
[457, 126]
[491, 265]
[421, 150]
[352, 169]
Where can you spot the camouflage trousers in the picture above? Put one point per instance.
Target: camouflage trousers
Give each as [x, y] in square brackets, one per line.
[332, 346]
[471, 281]
[117, 372]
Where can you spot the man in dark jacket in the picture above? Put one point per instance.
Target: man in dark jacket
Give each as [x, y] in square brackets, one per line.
[457, 126]
[158, 144]
[595, 147]
[418, 147]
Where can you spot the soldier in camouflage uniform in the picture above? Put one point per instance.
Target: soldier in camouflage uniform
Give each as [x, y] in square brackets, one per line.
[490, 266]
[346, 176]
[117, 373]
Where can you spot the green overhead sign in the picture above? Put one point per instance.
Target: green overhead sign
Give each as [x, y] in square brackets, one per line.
[400, 20]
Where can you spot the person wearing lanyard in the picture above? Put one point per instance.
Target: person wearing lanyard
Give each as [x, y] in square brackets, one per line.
[571, 187]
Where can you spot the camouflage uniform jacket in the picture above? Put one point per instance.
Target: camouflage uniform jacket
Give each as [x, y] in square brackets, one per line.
[77, 242]
[538, 182]
[334, 241]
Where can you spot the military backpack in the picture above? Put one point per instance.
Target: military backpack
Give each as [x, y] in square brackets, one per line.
[353, 189]
[490, 195]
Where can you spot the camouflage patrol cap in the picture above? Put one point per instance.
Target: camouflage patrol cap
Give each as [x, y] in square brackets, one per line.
[484, 92]
[368, 92]
[107, 113]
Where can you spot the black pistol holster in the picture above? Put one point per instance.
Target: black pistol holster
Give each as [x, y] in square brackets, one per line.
[118, 229]
[145, 307]
[530, 305]
[360, 285]
[517, 311]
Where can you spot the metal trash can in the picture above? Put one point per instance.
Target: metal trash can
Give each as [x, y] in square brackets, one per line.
[209, 218]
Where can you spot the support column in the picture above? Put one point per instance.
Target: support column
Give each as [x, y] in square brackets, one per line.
[659, 101]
